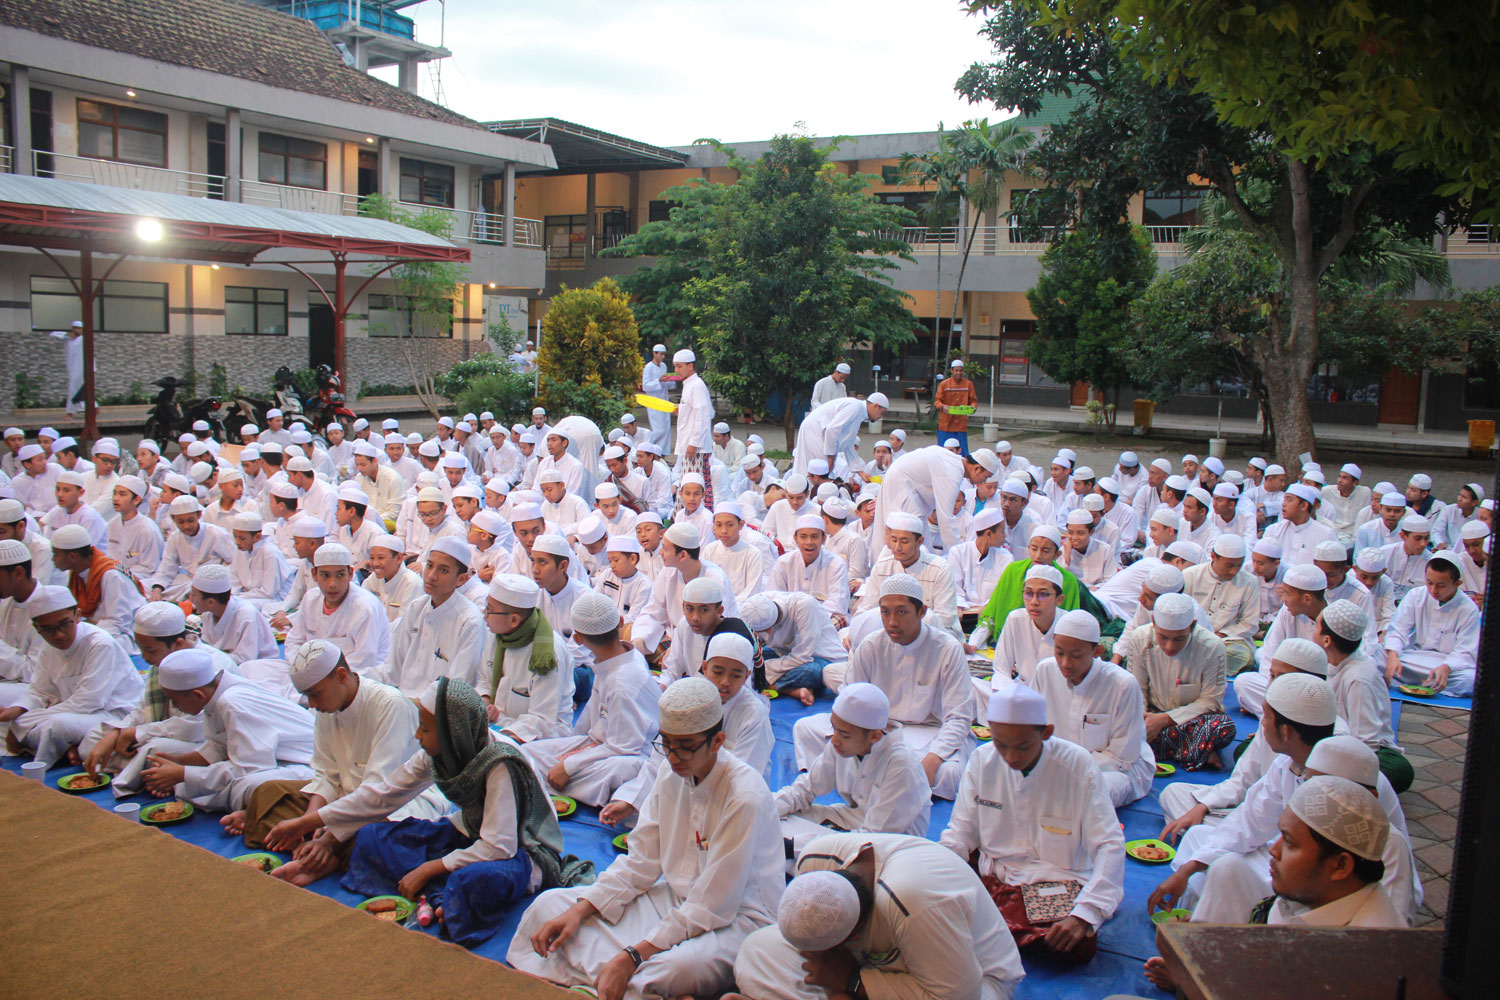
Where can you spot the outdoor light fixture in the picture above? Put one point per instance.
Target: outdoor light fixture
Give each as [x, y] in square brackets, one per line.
[493, 285]
[150, 230]
[129, 93]
[369, 138]
[214, 266]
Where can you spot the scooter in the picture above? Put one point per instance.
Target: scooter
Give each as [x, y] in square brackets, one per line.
[165, 416]
[330, 406]
[289, 402]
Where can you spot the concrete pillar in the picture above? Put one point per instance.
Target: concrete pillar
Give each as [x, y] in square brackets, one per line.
[20, 118]
[233, 154]
[390, 185]
[408, 74]
[589, 224]
[634, 221]
[508, 206]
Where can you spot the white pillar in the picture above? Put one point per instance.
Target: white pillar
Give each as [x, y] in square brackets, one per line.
[20, 118]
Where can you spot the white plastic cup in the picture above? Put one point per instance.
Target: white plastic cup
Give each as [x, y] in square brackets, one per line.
[129, 810]
[35, 770]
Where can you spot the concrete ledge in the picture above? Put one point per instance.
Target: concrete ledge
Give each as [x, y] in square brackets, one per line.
[133, 417]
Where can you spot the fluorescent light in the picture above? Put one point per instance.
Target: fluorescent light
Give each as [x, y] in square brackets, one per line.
[214, 266]
[129, 93]
[150, 230]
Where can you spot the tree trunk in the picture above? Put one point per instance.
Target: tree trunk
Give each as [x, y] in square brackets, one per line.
[959, 287]
[1294, 350]
[789, 420]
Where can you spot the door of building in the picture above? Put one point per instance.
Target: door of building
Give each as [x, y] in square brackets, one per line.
[1079, 394]
[1400, 398]
[320, 335]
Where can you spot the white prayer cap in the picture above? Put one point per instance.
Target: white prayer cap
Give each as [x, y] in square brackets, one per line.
[1227, 490]
[756, 446]
[648, 517]
[684, 356]
[1345, 756]
[613, 451]
[360, 423]
[1331, 551]
[684, 535]
[703, 589]
[525, 512]
[70, 479]
[283, 489]
[411, 439]
[349, 493]
[899, 434]
[14, 553]
[1304, 655]
[660, 347]
[332, 554]
[593, 614]
[455, 547]
[50, 432]
[271, 448]
[606, 491]
[1184, 549]
[1084, 472]
[11, 511]
[553, 545]
[903, 585]
[901, 520]
[1048, 532]
[249, 453]
[1162, 464]
[869, 494]
[231, 475]
[730, 507]
[453, 460]
[1093, 502]
[649, 448]
[430, 449]
[689, 705]
[300, 435]
[1352, 470]
[315, 660]
[1232, 546]
[1488, 503]
[1305, 576]
[1314, 476]
[1474, 529]
[274, 412]
[431, 494]
[1302, 491]
[590, 530]
[1346, 619]
[956, 363]
[488, 521]
[149, 445]
[1421, 481]
[1189, 458]
[1050, 574]
[185, 504]
[13, 432]
[445, 422]
[1343, 813]
[1476, 489]
[29, 451]
[1178, 483]
[879, 399]
[1016, 705]
[200, 472]
[983, 521]
[1257, 462]
[811, 522]
[1212, 464]
[721, 428]
[107, 446]
[759, 612]
[825, 491]
[528, 437]
[796, 483]
[1302, 698]
[817, 467]
[1164, 579]
[627, 418]
[1268, 547]
[818, 910]
[65, 442]
[468, 491]
[1063, 460]
[159, 619]
[212, 578]
[305, 526]
[1109, 485]
[389, 424]
[388, 542]
[691, 477]
[1371, 560]
[46, 600]
[1446, 556]
[1078, 624]
[72, 536]
[247, 520]
[1235, 477]
[1079, 517]
[731, 646]
[185, 669]
[1015, 488]
[1174, 611]
[621, 543]
[548, 476]
[1416, 524]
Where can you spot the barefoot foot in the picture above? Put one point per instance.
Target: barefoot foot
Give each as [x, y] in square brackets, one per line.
[1156, 971]
[234, 823]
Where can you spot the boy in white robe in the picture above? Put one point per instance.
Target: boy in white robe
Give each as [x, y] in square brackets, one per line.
[924, 672]
[1056, 825]
[527, 671]
[705, 868]
[1026, 636]
[355, 530]
[259, 574]
[1231, 596]
[107, 596]
[230, 624]
[978, 562]
[439, 634]
[681, 549]
[1434, 638]
[1359, 689]
[135, 541]
[83, 677]
[810, 569]
[870, 765]
[348, 616]
[13, 525]
[799, 642]
[391, 581]
[20, 645]
[624, 583]
[1092, 560]
[611, 739]
[744, 563]
[193, 544]
[903, 554]
[1303, 597]
[70, 509]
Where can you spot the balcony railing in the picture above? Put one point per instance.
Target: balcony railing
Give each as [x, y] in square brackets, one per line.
[1167, 234]
[6, 152]
[298, 199]
[486, 227]
[112, 173]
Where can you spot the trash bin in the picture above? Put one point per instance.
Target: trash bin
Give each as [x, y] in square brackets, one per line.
[1145, 409]
[1481, 438]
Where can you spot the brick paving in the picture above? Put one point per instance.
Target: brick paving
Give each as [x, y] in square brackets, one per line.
[1434, 740]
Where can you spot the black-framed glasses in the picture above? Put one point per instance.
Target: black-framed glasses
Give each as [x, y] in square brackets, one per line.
[678, 752]
[57, 629]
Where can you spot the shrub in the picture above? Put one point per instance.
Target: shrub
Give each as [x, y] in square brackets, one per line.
[563, 398]
[590, 336]
[456, 380]
[507, 394]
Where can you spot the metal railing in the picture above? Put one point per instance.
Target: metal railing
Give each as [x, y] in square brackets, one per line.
[298, 199]
[6, 153]
[486, 227]
[1479, 238]
[112, 173]
[1167, 234]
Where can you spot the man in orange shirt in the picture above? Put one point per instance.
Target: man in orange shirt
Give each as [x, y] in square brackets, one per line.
[955, 390]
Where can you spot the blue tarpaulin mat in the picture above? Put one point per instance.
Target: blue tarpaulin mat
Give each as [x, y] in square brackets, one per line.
[1125, 941]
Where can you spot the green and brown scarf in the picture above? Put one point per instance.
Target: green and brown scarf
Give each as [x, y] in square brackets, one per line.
[536, 632]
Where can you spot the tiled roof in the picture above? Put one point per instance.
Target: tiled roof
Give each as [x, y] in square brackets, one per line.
[221, 36]
[1055, 109]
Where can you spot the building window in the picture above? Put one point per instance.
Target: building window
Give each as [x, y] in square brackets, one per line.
[129, 135]
[566, 235]
[660, 211]
[255, 311]
[424, 183]
[122, 307]
[1168, 213]
[394, 316]
[297, 162]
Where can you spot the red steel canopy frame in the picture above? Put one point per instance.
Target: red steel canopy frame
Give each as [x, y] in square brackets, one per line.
[89, 231]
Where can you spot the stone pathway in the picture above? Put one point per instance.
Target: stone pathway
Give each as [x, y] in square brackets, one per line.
[1435, 740]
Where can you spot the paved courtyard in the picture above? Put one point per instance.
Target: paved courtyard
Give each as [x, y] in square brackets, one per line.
[1435, 741]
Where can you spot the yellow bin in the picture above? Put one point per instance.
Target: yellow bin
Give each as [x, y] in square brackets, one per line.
[1481, 437]
[1145, 409]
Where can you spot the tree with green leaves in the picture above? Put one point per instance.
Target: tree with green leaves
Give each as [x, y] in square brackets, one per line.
[591, 337]
[772, 277]
[1082, 301]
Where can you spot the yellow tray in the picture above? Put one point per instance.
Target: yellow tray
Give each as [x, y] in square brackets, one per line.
[653, 403]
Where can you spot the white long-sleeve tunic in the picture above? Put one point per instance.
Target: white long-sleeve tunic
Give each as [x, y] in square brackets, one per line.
[802, 634]
[743, 563]
[664, 608]
[1233, 605]
[826, 578]
[183, 554]
[939, 594]
[1424, 630]
[246, 729]
[1184, 686]
[926, 681]
[975, 576]
[695, 417]
[1104, 714]
[1022, 645]
[242, 632]
[532, 706]
[1298, 541]
[358, 627]
[922, 482]
[885, 791]
[830, 429]
[136, 545]
[396, 593]
[428, 643]
[94, 676]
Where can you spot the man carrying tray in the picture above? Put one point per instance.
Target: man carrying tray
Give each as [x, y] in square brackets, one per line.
[955, 390]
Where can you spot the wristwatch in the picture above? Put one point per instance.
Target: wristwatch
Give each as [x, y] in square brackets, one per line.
[854, 987]
[635, 956]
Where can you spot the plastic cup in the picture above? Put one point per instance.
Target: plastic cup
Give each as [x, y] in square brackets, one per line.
[35, 770]
[129, 810]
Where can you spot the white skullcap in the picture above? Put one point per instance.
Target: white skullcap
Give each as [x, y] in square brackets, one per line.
[1446, 556]
[389, 542]
[1233, 546]
[249, 453]
[349, 493]
[553, 545]
[759, 613]
[648, 448]
[69, 479]
[185, 504]
[623, 543]
[1016, 705]
[11, 511]
[870, 494]
[230, 475]
[1166, 515]
[1345, 756]
[453, 460]
[411, 439]
[983, 521]
[1063, 460]
[956, 363]
[212, 578]
[730, 507]
[690, 477]
[72, 536]
[431, 494]
[315, 660]
[149, 445]
[902, 521]
[1174, 611]
[627, 418]
[360, 424]
[488, 521]
[899, 434]
[1421, 481]
[186, 669]
[1474, 529]
[796, 483]
[606, 491]
[684, 535]
[283, 489]
[690, 705]
[613, 451]
[107, 446]
[1302, 491]
[1302, 698]
[525, 512]
[45, 600]
[1190, 457]
[1343, 813]
[13, 432]
[305, 526]
[810, 522]
[1331, 551]
[594, 614]
[1015, 487]
[455, 547]
[1162, 464]
[1226, 490]
[14, 553]
[65, 442]
[684, 356]
[468, 491]
[731, 646]
[430, 449]
[1232, 476]
[332, 554]
[818, 910]
[1164, 579]
[271, 448]
[1178, 483]
[903, 585]
[1416, 524]
[648, 517]
[200, 472]
[247, 520]
[1078, 624]
[817, 467]
[1371, 560]
[1212, 464]
[1305, 576]
[1476, 489]
[1304, 655]
[299, 464]
[159, 619]
[1184, 549]
[864, 705]
[1084, 472]
[721, 428]
[1051, 574]
[1093, 502]
[1080, 517]
[515, 590]
[1201, 495]
[986, 460]
[1268, 547]
[1048, 532]
[590, 530]
[1350, 469]
[299, 436]
[879, 399]
[703, 589]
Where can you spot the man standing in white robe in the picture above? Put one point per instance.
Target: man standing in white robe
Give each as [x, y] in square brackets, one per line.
[930, 481]
[831, 388]
[831, 430]
[651, 384]
[72, 339]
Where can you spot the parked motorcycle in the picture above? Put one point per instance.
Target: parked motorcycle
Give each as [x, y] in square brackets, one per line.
[289, 402]
[211, 409]
[329, 405]
[165, 416]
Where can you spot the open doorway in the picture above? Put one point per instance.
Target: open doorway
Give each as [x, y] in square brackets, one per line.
[320, 335]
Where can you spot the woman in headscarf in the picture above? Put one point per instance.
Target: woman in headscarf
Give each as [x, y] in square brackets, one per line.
[504, 843]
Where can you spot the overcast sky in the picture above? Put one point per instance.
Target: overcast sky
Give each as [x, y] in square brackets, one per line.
[672, 72]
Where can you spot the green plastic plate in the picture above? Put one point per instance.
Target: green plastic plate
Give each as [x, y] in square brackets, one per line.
[564, 806]
[1134, 845]
[66, 784]
[1170, 916]
[621, 843]
[404, 907]
[266, 861]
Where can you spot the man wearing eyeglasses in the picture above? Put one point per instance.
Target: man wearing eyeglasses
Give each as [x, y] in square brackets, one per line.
[705, 868]
[83, 678]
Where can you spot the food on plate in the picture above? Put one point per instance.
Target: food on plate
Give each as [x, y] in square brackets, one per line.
[1148, 853]
[169, 810]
